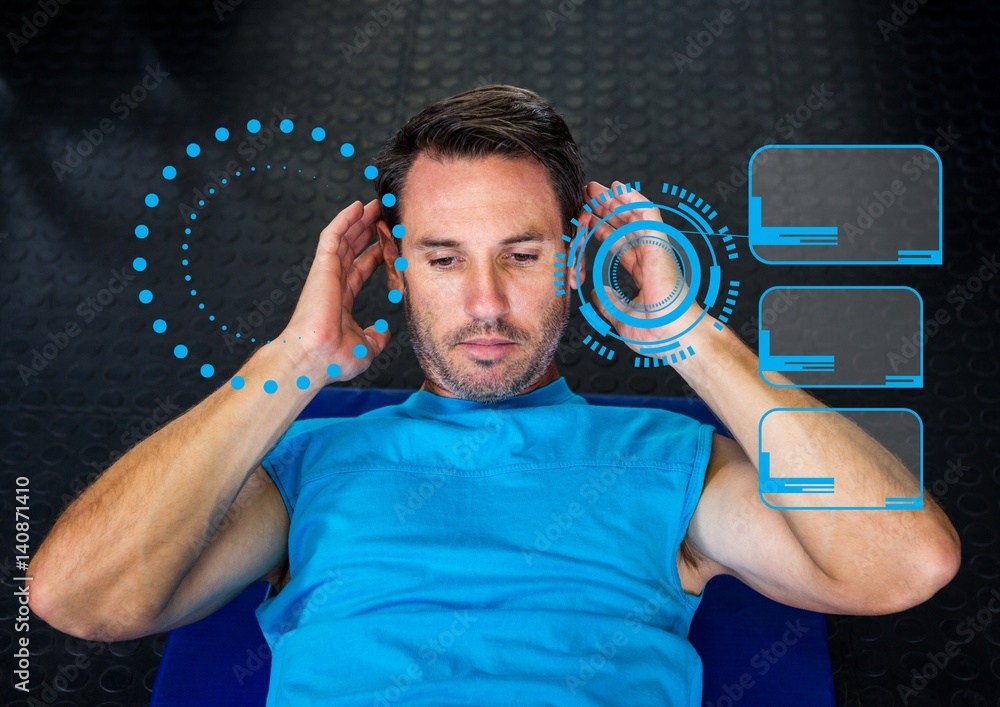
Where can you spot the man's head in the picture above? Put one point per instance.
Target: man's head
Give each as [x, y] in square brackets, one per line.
[486, 184]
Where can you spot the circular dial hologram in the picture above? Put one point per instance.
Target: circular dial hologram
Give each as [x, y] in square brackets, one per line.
[687, 233]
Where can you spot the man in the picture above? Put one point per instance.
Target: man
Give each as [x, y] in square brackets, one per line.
[377, 598]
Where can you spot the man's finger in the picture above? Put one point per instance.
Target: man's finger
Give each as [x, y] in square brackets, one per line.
[346, 252]
[360, 232]
[331, 235]
[604, 227]
[376, 342]
[629, 260]
[628, 257]
[362, 269]
[602, 210]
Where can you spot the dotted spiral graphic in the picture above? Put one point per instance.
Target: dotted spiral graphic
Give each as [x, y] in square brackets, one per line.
[170, 172]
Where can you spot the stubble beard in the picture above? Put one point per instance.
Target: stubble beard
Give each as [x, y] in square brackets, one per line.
[498, 379]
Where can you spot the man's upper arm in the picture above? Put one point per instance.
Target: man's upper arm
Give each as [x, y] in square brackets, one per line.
[249, 544]
[740, 536]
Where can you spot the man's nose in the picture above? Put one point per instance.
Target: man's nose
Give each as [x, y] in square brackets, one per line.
[486, 296]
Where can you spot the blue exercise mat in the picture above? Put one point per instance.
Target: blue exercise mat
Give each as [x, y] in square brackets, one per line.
[755, 652]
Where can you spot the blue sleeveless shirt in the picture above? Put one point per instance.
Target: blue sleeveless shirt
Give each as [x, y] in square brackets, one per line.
[448, 552]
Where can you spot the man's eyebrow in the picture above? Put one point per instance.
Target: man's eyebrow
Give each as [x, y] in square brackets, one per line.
[430, 242]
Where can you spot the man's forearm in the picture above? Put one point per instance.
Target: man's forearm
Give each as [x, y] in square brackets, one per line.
[724, 373]
[122, 548]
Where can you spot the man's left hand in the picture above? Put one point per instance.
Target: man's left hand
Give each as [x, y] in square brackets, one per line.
[655, 269]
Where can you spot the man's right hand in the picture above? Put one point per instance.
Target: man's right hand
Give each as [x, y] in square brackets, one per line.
[323, 321]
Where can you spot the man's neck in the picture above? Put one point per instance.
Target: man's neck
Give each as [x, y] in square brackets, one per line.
[551, 374]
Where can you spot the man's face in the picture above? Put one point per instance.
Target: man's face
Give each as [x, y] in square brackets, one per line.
[480, 243]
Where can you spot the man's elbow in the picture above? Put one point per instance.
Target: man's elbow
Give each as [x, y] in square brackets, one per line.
[47, 607]
[934, 569]
[944, 564]
[90, 625]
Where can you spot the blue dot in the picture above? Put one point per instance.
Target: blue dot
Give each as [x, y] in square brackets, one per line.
[187, 278]
[145, 296]
[184, 246]
[141, 231]
[194, 216]
[381, 325]
[159, 326]
[401, 263]
[395, 296]
[210, 191]
[270, 387]
[223, 327]
[371, 171]
[193, 149]
[184, 262]
[302, 382]
[211, 317]
[201, 202]
[169, 172]
[180, 351]
[237, 382]
[318, 134]
[399, 230]
[187, 231]
[201, 305]
[152, 200]
[333, 370]
[360, 350]
[139, 264]
[221, 134]
[347, 149]
[389, 200]
[254, 127]
[207, 370]
[286, 126]
[194, 292]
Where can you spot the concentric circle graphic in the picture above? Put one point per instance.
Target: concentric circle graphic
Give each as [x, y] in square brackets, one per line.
[686, 234]
[203, 199]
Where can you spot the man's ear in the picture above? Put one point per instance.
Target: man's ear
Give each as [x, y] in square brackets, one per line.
[581, 256]
[390, 252]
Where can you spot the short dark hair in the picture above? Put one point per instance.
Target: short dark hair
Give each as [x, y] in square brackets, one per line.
[485, 121]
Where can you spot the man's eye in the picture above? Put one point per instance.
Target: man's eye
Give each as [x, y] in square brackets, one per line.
[441, 262]
[524, 257]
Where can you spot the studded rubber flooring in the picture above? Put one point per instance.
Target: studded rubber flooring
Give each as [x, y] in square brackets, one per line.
[96, 98]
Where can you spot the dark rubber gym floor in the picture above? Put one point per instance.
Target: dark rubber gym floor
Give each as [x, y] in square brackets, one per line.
[97, 97]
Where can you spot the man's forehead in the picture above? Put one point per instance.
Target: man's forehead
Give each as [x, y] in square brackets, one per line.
[453, 193]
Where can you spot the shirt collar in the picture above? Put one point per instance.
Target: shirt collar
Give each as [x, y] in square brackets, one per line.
[424, 403]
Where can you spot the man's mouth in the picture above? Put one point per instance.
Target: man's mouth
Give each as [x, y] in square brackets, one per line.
[487, 341]
[487, 347]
